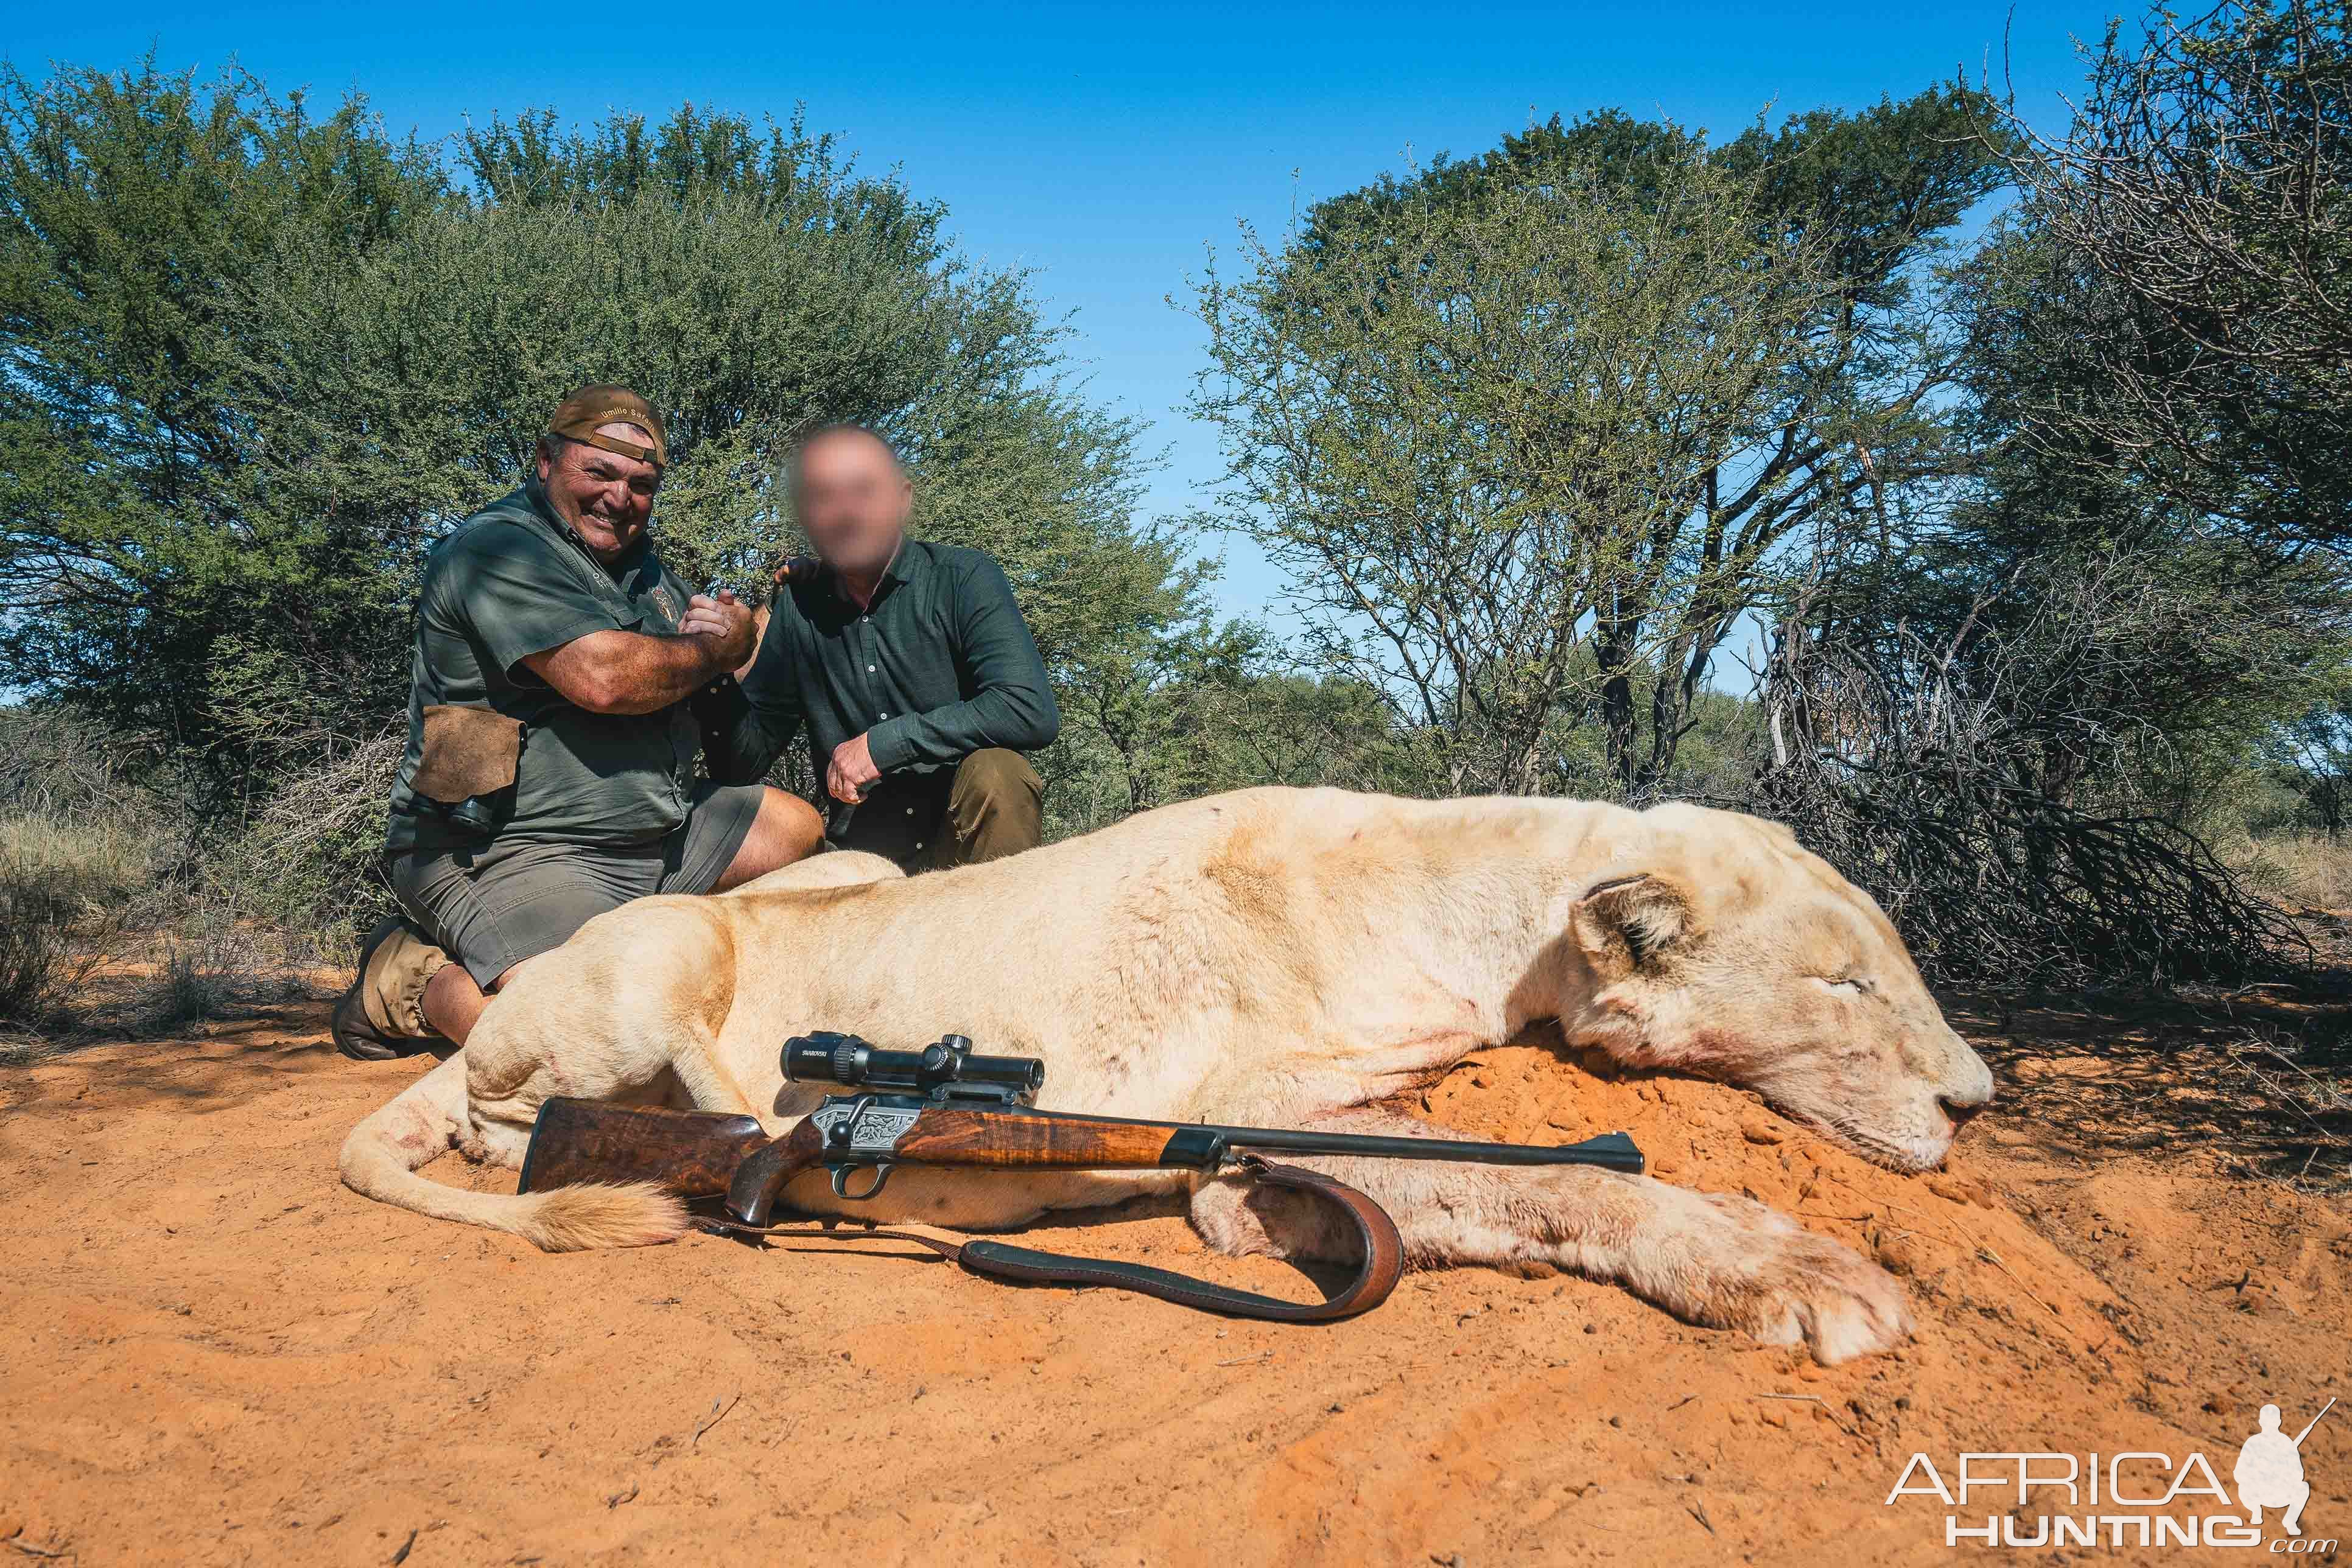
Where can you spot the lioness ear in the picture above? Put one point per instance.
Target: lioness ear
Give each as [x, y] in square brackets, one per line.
[1626, 922]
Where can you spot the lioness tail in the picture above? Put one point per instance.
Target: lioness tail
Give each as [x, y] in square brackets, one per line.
[381, 1159]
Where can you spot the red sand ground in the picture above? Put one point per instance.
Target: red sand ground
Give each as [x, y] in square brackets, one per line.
[212, 1352]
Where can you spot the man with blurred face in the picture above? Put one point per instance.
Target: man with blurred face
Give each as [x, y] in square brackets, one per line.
[560, 687]
[910, 665]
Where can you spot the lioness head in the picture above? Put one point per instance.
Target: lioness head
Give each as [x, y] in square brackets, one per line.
[1717, 946]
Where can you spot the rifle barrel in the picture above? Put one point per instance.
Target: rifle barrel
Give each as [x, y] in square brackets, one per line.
[1611, 1151]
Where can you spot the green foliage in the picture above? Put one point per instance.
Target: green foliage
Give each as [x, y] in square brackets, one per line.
[2156, 394]
[2308, 762]
[2178, 641]
[129, 204]
[1877, 186]
[1203, 709]
[1537, 430]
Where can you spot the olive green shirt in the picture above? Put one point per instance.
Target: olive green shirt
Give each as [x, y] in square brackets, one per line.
[514, 580]
[939, 666]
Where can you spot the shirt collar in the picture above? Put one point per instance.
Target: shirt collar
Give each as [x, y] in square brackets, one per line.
[906, 561]
[904, 565]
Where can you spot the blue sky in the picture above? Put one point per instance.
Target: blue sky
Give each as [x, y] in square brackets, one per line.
[1107, 146]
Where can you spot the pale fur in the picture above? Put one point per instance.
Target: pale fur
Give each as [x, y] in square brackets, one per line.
[1297, 957]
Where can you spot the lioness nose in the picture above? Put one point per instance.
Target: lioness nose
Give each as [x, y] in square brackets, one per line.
[1967, 1087]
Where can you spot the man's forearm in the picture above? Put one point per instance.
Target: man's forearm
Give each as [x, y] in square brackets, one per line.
[630, 671]
[1017, 717]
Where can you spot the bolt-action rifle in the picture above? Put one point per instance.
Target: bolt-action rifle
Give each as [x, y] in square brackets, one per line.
[945, 1106]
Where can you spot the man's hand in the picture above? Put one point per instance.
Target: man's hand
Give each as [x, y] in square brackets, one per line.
[758, 635]
[851, 772]
[728, 622]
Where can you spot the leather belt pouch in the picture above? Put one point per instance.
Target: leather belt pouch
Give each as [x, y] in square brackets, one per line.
[468, 752]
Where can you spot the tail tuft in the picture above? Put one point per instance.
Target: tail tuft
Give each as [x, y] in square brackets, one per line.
[576, 1219]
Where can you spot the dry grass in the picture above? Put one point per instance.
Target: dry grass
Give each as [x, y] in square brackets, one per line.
[305, 868]
[91, 862]
[66, 889]
[2307, 870]
[211, 965]
[92, 944]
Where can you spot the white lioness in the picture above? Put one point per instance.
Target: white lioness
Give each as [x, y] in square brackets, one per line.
[1273, 957]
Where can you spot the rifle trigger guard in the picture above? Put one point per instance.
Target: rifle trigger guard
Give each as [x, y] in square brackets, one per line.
[881, 1169]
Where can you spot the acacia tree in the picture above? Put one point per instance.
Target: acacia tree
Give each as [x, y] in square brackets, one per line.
[127, 203]
[2199, 208]
[1532, 432]
[1479, 431]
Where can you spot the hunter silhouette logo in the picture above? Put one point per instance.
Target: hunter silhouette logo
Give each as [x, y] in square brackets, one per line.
[2136, 1498]
[2270, 1470]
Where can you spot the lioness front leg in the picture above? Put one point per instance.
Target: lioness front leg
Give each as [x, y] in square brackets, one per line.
[1711, 1260]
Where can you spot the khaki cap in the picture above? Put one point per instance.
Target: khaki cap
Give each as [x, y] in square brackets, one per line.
[577, 418]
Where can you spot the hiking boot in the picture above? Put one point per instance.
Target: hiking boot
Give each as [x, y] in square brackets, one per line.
[382, 1016]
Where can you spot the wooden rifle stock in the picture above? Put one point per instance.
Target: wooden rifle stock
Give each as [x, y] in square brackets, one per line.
[972, 1140]
[693, 1153]
[705, 1154]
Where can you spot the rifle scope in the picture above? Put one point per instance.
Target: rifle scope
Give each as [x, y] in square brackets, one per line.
[947, 1063]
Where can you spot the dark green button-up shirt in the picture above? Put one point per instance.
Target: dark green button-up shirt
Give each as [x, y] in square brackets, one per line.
[510, 582]
[939, 666]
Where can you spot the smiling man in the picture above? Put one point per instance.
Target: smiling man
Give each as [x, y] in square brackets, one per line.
[911, 667]
[559, 673]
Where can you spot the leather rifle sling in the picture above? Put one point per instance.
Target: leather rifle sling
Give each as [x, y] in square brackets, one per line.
[1383, 1258]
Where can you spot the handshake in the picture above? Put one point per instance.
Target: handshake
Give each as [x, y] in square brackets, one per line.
[733, 628]
[730, 625]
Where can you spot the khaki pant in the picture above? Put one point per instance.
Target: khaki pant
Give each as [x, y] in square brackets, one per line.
[996, 808]
[991, 806]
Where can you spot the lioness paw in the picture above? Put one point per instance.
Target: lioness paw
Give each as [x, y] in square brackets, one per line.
[1839, 1304]
[1784, 1285]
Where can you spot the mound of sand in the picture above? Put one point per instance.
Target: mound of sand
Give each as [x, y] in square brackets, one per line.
[1951, 1236]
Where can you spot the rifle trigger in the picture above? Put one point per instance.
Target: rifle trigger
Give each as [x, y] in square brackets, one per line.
[881, 1169]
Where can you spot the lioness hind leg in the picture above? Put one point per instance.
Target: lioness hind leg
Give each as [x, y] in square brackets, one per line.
[633, 1002]
[841, 868]
[1719, 1261]
[487, 1142]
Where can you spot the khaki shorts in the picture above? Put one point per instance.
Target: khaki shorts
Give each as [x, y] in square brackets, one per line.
[493, 907]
